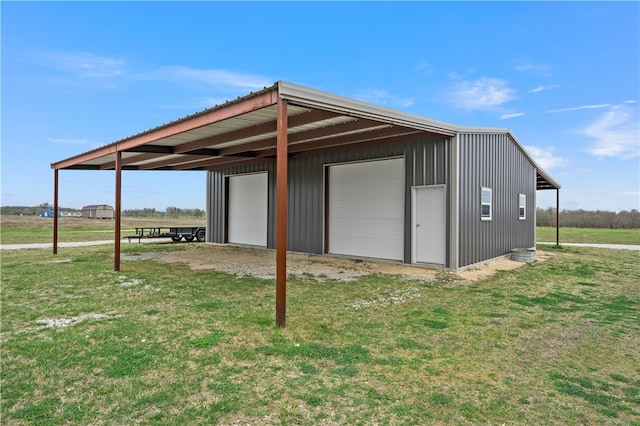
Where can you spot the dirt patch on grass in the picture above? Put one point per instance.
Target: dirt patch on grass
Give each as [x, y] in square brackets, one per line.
[246, 261]
[67, 322]
[489, 268]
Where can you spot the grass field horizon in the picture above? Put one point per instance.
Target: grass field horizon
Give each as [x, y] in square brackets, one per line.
[35, 229]
[589, 235]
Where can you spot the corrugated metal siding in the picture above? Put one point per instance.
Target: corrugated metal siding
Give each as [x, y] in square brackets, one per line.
[494, 161]
[215, 207]
[426, 163]
[305, 205]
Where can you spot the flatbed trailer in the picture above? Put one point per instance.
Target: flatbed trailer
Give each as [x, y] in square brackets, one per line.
[176, 233]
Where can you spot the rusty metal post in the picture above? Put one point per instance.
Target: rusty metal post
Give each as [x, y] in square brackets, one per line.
[55, 211]
[281, 214]
[557, 216]
[118, 211]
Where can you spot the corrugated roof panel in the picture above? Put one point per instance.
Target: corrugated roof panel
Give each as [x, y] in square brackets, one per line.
[246, 120]
[175, 140]
[153, 160]
[100, 161]
[319, 124]
[308, 97]
[247, 140]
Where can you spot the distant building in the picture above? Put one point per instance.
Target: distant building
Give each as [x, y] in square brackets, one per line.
[98, 211]
[71, 214]
[49, 213]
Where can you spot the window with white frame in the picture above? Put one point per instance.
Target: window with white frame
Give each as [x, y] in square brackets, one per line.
[485, 204]
[522, 206]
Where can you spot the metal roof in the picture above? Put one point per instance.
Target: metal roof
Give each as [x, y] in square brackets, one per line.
[244, 131]
[97, 206]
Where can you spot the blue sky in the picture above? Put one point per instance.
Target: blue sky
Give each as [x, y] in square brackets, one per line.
[564, 77]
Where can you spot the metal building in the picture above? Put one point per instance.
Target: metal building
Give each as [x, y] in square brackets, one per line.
[98, 211]
[414, 199]
[416, 202]
[293, 168]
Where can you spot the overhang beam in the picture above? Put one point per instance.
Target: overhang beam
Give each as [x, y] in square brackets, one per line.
[332, 148]
[150, 148]
[130, 160]
[245, 162]
[205, 164]
[170, 162]
[252, 132]
[348, 139]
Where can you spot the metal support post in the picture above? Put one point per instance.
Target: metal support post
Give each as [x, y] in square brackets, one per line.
[281, 214]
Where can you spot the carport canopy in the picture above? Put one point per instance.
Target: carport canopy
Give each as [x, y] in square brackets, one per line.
[274, 124]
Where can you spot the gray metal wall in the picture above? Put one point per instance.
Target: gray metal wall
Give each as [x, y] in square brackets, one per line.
[494, 161]
[426, 163]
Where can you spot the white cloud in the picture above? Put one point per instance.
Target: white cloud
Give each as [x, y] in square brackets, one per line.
[542, 88]
[425, 68]
[383, 97]
[533, 67]
[545, 157]
[482, 94]
[209, 77]
[84, 64]
[512, 115]
[579, 108]
[616, 133]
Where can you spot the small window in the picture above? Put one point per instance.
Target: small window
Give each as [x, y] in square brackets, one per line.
[485, 207]
[522, 206]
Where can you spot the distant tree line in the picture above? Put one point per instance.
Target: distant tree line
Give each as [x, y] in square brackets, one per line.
[589, 219]
[170, 211]
[30, 210]
[626, 219]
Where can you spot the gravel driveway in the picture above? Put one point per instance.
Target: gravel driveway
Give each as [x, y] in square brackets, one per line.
[260, 262]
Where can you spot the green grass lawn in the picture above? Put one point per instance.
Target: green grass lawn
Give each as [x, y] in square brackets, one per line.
[34, 236]
[554, 342]
[589, 235]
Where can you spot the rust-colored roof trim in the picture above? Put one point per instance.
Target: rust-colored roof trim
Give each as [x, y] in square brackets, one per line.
[253, 102]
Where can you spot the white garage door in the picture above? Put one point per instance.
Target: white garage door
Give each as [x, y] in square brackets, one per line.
[248, 198]
[366, 209]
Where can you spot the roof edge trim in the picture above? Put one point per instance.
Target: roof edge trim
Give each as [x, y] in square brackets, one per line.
[306, 96]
